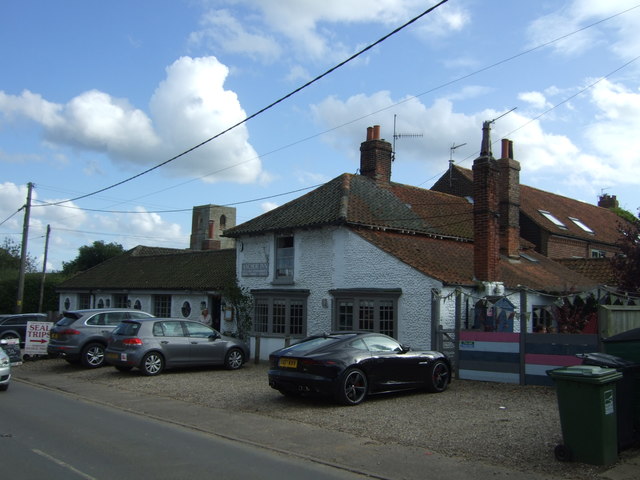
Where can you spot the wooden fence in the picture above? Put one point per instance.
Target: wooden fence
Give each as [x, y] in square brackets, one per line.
[519, 358]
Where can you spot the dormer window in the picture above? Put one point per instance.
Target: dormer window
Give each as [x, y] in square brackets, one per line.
[579, 223]
[552, 219]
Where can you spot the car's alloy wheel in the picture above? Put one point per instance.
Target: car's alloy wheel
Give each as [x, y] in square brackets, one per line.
[353, 387]
[9, 336]
[152, 364]
[438, 377]
[234, 359]
[93, 355]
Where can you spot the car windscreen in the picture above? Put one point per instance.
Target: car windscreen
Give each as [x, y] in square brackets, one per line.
[127, 329]
[313, 344]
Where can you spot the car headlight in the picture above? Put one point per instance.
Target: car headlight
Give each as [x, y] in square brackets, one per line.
[4, 361]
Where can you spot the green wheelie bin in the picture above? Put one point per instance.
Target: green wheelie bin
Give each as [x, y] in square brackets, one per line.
[587, 405]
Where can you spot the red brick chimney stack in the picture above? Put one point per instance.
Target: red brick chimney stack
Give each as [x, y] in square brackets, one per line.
[375, 157]
[486, 228]
[509, 198]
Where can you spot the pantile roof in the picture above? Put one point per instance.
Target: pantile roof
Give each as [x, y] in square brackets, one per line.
[358, 200]
[601, 221]
[451, 262]
[159, 268]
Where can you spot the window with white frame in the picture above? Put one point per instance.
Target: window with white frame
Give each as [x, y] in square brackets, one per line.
[280, 312]
[372, 310]
[284, 259]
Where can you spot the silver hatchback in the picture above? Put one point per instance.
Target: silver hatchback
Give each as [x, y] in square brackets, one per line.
[158, 343]
[80, 336]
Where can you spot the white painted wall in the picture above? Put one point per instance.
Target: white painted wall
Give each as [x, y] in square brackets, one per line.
[335, 258]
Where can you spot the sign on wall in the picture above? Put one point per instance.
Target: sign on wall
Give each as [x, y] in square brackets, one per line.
[255, 269]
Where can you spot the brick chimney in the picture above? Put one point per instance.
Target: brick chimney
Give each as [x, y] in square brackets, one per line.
[375, 157]
[608, 201]
[486, 228]
[509, 201]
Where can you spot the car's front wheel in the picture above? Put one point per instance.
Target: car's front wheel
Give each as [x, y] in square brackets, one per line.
[234, 359]
[92, 355]
[353, 387]
[439, 376]
[4, 388]
[152, 364]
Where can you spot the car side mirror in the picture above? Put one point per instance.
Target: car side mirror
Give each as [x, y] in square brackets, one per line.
[405, 348]
[214, 336]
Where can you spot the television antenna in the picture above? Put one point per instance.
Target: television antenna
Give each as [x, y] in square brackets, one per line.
[452, 149]
[400, 135]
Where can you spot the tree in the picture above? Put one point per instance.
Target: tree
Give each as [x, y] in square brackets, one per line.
[91, 255]
[241, 301]
[626, 265]
[10, 256]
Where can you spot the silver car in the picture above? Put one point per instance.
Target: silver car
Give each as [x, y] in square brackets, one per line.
[5, 370]
[80, 336]
[154, 344]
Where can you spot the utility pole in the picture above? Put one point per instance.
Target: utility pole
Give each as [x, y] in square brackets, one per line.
[23, 256]
[44, 268]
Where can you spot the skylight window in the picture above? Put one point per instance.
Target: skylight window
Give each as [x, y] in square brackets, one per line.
[579, 223]
[552, 219]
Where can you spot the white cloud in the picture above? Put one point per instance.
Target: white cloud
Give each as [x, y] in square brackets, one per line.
[549, 161]
[190, 106]
[306, 29]
[220, 28]
[267, 206]
[536, 99]
[579, 14]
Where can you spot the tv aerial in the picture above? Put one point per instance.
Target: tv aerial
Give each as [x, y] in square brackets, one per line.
[400, 135]
[452, 149]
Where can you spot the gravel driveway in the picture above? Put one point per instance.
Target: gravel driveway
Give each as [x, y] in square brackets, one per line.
[497, 424]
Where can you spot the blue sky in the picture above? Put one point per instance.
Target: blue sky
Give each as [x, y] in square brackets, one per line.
[93, 93]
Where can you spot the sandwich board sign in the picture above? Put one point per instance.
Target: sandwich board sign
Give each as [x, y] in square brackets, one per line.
[37, 338]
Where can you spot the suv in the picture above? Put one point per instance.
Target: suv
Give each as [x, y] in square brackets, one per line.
[80, 336]
[15, 326]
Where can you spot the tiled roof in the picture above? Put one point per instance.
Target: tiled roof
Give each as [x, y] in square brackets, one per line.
[599, 269]
[358, 200]
[602, 221]
[451, 262]
[159, 268]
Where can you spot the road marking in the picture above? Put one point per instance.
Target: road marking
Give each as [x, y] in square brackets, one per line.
[63, 464]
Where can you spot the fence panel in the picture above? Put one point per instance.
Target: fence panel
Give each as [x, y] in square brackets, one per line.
[548, 351]
[489, 356]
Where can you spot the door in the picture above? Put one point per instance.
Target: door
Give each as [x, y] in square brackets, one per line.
[174, 343]
[204, 347]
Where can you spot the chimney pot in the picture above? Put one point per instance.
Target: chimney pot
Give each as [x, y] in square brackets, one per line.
[369, 133]
[376, 132]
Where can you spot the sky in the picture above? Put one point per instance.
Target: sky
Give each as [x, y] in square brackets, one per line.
[102, 104]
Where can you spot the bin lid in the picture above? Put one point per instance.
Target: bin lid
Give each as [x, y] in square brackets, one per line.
[585, 374]
[628, 336]
[604, 360]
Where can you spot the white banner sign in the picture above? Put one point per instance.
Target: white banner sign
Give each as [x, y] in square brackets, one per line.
[37, 338]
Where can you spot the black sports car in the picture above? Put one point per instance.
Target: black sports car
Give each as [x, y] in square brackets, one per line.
[348, 366]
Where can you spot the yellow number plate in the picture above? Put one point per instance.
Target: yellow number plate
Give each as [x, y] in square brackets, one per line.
[288, 363]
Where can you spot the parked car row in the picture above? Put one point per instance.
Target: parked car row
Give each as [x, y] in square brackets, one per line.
[345, 366]
[130, 339]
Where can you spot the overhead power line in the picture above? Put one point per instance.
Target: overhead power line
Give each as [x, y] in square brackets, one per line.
[262, 110]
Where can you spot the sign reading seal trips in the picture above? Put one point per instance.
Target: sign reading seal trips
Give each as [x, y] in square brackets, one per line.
[37, 338]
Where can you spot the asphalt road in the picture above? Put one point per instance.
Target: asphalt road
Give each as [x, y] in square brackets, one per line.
[51, 435]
